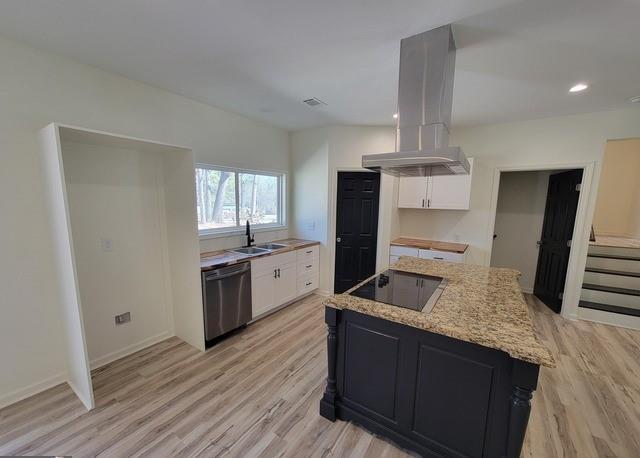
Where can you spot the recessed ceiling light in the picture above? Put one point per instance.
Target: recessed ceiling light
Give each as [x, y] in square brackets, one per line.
[395, 115]
[579, 87]
[635, 99]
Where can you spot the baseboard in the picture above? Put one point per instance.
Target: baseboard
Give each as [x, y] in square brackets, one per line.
[323, 293]
[126, 351]
[612, 319]
[31, 390]
[527, 290]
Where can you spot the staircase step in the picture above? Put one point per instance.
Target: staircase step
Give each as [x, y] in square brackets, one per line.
[623, 273]
[614, 250]
[612, 289]
[616, 281]
[614, 256]
[621, 265]
[608, 297]
[609, 308]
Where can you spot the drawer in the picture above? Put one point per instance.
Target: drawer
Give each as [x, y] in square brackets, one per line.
[442, 255]
[307, 267]
[308, 283]
[395, 250]
[306, 254]
[270, 262]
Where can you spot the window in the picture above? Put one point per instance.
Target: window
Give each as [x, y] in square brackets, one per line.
[228, 198]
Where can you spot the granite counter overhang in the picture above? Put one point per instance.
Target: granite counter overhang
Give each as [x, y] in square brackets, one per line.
[214, 259]
[481, 305]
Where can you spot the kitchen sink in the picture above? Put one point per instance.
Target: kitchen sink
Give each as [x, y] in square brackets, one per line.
[271, 246]
[250, 250]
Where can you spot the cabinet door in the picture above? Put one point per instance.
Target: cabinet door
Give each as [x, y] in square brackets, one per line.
[286, 285]
[412, 192]
[263, 287]
[450, 191]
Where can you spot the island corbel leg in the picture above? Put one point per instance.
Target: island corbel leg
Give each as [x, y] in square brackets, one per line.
[327, 403]
[525, 379]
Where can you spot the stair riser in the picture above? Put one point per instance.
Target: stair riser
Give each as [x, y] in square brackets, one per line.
[614, 264]
[605, 297]
[614, 250]
[612, 280]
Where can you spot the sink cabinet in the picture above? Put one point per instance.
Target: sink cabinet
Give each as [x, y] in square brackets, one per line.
[282, 278]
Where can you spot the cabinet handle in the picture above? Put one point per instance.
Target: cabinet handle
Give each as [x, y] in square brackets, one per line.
[422, 203]
[307, 284]
[436, 257]
[278, 272]
[309, 266]
[275, 273]
[311, 251]
[428, 203]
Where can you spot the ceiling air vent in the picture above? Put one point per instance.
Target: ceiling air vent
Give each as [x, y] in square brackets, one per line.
[313, 102]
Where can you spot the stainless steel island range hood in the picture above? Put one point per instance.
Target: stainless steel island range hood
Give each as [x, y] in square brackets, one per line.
[425, 92]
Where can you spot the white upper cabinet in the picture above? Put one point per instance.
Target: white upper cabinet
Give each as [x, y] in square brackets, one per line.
[412, 192]
[448, 192]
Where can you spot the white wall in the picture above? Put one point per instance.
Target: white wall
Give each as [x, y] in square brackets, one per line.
[618, 201]
[116, 194]
[519, 217]
[316, 157]
[550, 143]
[547, 142]
[36, 88]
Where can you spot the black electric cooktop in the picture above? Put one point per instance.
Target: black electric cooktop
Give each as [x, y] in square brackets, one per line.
[403, 289]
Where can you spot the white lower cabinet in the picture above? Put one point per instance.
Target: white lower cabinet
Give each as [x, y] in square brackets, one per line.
[286, 285]
[263, 296]
[281, 278]
[441, 255]
[396, 251]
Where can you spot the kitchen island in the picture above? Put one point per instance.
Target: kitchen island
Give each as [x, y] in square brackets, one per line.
[457, 381]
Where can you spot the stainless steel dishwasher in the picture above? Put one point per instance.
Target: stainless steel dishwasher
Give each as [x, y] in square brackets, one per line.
[226, 296]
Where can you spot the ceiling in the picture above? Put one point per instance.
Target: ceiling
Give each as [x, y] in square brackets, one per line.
[516, 59]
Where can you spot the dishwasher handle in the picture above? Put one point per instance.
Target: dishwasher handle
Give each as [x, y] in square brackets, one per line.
[226, 272]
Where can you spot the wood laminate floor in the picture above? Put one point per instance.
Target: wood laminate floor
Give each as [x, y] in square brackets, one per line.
[257, 393]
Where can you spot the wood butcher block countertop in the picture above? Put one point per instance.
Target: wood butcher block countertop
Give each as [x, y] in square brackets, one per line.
[430, 244]
[214, 259]
[482, 305]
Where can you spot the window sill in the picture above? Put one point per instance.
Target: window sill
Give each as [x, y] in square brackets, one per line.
[239, 232]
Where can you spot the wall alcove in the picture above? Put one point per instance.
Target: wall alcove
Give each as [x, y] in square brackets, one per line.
[124, 230]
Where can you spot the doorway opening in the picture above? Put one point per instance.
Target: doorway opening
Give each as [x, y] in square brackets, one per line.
[357, 207]
[611, 281]
[535, 219]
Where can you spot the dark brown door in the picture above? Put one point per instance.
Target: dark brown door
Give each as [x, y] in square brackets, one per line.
[555, 241]
[356, 228]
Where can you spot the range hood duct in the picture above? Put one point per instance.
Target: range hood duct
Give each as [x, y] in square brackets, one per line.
[425, 93]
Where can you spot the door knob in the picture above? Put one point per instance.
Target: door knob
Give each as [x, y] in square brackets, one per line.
[338, 240]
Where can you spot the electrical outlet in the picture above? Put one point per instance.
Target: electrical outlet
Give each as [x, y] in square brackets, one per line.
[106, 244]
[123, 318]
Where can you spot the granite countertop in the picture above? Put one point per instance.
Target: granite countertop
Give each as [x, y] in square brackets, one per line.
[430, 244]
[482, 305]
[221, 258]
